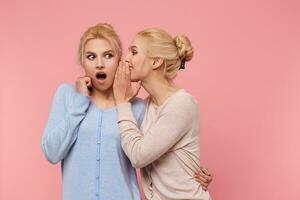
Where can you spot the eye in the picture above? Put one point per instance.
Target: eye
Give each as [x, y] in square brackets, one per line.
[108, 55]
[90, 56]
[133, 52]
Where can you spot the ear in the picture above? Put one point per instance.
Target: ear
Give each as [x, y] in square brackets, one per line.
[157, 62]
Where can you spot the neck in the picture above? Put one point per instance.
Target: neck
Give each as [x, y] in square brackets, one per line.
[103, 99]
[159, 88]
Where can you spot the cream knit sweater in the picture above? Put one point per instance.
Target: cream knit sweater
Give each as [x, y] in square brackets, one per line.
[166, 148]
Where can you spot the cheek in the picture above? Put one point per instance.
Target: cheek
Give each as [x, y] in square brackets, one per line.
[145, 66]
[112, 68]
[137, 63]
[88, 67]
[88, 64]
[112, 63]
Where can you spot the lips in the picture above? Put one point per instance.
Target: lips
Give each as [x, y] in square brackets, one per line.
[101, 75]
[129, 64]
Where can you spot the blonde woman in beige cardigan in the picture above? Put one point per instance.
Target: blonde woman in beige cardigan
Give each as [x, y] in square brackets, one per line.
[167, 146]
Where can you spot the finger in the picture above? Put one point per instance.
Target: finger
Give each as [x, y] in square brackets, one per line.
[201, 173]
[81, 77]
[85, 78]
[127, 71]
[83, 81]
[119, 72]
[204, 188]
[203, 184]
[208, 178]
[201, 179]
[89, 85]
[123, 73]
[206, 171]
[89, 82]
[116, 75]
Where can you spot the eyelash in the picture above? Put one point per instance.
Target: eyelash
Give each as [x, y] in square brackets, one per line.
[107, 56]
[133, 52]
[91, 57]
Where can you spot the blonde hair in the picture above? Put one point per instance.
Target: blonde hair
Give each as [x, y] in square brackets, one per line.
[175, 51]
[100, 31]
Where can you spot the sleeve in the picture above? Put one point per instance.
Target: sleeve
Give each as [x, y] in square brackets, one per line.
[67, 111]
[144, 148]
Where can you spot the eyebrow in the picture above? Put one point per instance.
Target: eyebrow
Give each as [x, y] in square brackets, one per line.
[108, 51]
[89, 52]
[132, 47]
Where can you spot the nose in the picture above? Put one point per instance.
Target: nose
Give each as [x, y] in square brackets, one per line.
[100, 63]
[128, 57]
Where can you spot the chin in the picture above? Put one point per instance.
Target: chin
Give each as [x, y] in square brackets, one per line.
[134, 79]
[103, 88]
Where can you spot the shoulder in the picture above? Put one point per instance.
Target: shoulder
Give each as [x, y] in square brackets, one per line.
[65, 88]
[65, 92]
[182, 101]
[187, 98]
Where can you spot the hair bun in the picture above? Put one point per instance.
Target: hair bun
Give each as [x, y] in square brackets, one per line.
[184, 47]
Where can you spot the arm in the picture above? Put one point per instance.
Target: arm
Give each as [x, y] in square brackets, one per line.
[144, 148]
[67, 111]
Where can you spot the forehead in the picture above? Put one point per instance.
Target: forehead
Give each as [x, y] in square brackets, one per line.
[98, 46]
[140, 44]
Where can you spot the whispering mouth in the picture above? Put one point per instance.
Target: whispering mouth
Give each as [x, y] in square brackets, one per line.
[101, 75]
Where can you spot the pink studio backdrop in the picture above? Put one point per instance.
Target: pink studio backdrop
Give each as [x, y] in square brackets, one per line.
[245, 75]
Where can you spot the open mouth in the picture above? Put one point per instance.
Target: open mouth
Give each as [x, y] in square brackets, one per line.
[101, 75]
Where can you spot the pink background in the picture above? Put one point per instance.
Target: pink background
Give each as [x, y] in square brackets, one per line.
[245, 75]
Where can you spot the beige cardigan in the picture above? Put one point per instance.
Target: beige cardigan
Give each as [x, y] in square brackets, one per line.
[166, 148]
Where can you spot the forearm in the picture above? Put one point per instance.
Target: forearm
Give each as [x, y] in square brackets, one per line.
[61, 129]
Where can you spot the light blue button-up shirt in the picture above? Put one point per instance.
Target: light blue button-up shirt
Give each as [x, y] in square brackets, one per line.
[86, 140]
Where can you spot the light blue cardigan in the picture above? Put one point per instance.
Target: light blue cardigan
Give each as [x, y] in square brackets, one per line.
[87, 141]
